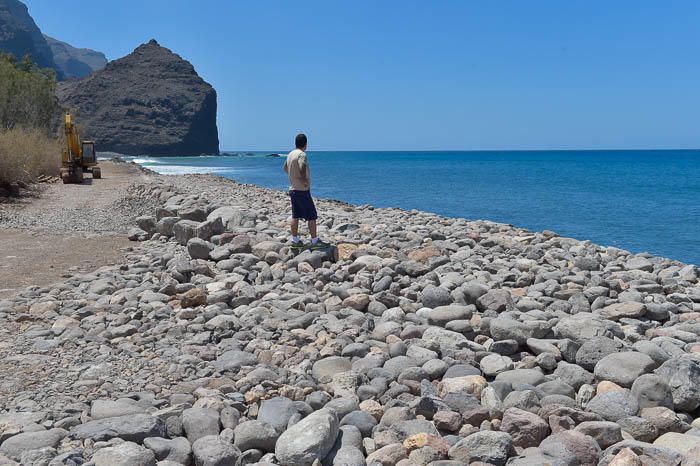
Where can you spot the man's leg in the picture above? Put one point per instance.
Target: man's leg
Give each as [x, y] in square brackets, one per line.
[315, 242]
[295, 230]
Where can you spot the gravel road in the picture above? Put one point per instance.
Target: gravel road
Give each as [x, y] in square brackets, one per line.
[67, 228]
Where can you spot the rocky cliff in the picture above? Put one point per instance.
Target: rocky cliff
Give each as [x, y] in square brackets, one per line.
[19, 35]
[150, 102]
[74, 62]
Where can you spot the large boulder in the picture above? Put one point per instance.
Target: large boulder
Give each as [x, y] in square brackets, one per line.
[606, 433]
[184, 230]
[526, 429]
[197, 248]
[102, 409]
[487, 446]
[584, 326]
[638, 427]
[277, 412]
[308, 440]
[572, 447]
[131, 427]
[443, 315]
[683, 376]
[328, 367]
[148, 102]
[27, 441]
[510, 329]
[682, 443]
[614, 405]
[651, 390]
[444, 338]
[124, 454]
[435, 296]
[255, 434]
[212, 450]
[595, 349]
[496, 300]
[230, 216]
[200, 422]
[648, 453]
[624, 368]
[627, 309]
[178, 449]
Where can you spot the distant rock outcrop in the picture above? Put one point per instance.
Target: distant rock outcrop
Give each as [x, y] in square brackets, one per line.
[20, 36]
[150, 102]
[74, 62]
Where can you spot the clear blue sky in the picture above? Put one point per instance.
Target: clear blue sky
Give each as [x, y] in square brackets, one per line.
[417, 74]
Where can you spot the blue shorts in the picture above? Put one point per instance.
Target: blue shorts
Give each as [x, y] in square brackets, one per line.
[302, 205]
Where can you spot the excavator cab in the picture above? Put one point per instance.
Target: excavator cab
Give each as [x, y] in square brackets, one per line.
[89, 156]
[90, 159]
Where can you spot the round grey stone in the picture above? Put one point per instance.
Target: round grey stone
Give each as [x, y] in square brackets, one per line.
[595, 349]
[257, 435]
[614, 405]
[490, 447]
[212, 450]
[652, 390]
[309, 439]
[362, 420]
[623, 368]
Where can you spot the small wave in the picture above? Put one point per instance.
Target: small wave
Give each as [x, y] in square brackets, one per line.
[144, 160]
[185, 169]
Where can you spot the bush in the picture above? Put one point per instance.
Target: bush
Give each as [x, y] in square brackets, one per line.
[28, 111]
[27, 94]
[26, 154]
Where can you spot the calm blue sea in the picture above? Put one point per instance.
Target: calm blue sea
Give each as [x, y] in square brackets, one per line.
[635, 200]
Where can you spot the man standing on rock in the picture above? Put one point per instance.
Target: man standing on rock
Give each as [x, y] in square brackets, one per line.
[297, 168]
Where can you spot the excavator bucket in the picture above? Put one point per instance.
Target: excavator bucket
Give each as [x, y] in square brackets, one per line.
[71, 176]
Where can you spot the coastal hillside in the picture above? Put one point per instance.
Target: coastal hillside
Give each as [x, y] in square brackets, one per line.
[20, 36]
[151, 101]
[75, 62]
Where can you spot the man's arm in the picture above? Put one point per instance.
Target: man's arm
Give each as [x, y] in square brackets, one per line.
[286, 168]
[303, 167]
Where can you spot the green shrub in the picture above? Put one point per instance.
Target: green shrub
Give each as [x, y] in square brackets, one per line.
[27, 94]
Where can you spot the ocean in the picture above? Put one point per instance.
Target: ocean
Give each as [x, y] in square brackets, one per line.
[641, 201]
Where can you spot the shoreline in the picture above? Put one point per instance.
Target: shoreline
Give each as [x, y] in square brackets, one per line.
[576, 214]
[446, 217]
[431, 339]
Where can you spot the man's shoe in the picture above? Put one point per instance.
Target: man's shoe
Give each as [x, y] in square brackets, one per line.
[319, 245]
[297, 247]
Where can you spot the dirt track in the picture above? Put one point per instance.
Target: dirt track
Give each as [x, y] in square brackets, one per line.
[64, 229]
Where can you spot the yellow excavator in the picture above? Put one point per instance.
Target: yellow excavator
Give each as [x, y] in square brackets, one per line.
[78, 157]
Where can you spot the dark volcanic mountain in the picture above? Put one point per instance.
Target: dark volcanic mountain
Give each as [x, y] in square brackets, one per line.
[150, 102]
[75, 62]
[19, 35]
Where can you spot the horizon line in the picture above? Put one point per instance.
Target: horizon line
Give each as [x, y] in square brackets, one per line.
[472, 150]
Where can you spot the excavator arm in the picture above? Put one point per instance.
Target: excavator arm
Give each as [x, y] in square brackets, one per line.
[73, 153]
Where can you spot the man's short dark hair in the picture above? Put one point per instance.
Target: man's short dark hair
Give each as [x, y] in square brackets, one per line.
[300, 141]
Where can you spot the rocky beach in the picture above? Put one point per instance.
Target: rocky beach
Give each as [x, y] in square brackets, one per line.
[431, 341]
